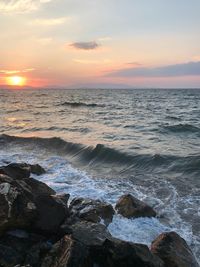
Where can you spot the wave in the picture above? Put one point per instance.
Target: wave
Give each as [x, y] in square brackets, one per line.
[101, 154]
[78, 104]
[179, 128]
[173, 118]
[54, 128]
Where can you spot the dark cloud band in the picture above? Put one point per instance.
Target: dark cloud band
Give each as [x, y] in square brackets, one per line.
[85, 45]
[184, 69]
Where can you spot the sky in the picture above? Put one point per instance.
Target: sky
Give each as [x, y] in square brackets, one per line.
[101, 43]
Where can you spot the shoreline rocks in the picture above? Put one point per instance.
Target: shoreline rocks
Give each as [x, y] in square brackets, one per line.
[131, 207]
[39, 228]
[92, 210]
[173, 250]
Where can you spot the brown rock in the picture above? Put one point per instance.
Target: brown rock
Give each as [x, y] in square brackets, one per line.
[130, 207]
[67, 252]
[173, 250]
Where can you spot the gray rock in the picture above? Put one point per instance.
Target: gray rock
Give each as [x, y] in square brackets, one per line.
[92, 210]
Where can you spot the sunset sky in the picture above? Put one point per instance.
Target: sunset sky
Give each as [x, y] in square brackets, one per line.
[137, 43]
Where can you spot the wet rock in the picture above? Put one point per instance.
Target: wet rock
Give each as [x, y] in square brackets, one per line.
[17, 170]
[39, 188]
[173, 250]
[37, 169]
[21, 170]
[76, 250]
[5, 178]
[16, 209]
[52, 210]
[67, 252]
[90, 234]
[130, 207]
[9, 257]
[28, 203]
[17, 245]
[107, 251]
[117, 253]
[92, 210]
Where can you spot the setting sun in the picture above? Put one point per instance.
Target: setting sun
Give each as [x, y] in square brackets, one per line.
[16, 80]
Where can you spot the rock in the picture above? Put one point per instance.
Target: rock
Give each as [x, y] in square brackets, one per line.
[78, 251]
[118, 253]
[16, 209]
[21, 170]
[39, 188]
[37, 169]
[29, 203]
[17, 170]
[22, 248]
[173, 250]
[9, 256]
[52, 210]
[5, 178]
[92, 210]
[130, 207]
[90, 234]
[67, 252]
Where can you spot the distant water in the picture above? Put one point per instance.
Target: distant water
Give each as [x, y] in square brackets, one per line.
[103, 143]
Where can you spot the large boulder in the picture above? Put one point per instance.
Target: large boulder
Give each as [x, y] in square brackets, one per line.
[92, 210]
[173, 250]
[118, 253]
[90, 234]
[30, 204]
[52, 210]
[16, 208]
[131, 207]
[38, 188]
[21, 247]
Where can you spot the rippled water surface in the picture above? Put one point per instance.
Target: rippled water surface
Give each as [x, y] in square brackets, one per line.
[103, 143]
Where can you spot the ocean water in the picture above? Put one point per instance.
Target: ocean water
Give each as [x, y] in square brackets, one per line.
[104, 143]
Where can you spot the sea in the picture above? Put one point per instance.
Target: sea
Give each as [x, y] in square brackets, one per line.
[103, 143]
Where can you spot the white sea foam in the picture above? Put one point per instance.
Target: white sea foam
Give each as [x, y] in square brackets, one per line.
[139, 230]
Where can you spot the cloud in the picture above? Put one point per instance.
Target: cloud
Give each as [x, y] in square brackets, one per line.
[9, 72]
[49, 22]
[184, 69]
[85, 45]
[20, 6]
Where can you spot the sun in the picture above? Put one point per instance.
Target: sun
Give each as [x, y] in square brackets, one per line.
[16, 80]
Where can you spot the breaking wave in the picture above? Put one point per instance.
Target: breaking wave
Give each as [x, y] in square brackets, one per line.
[103, 154]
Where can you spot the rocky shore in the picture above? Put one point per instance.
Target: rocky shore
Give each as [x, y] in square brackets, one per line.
[39, 228]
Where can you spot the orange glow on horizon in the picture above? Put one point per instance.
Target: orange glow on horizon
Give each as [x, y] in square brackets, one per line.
[16, 80]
